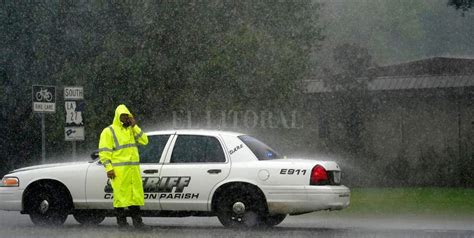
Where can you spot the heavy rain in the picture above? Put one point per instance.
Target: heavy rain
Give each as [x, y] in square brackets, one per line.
[384, 88]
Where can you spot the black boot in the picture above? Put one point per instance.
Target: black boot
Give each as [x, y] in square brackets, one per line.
[136, 217]
[121, 217]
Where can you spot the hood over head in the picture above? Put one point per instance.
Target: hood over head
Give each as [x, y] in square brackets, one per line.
[121, 109]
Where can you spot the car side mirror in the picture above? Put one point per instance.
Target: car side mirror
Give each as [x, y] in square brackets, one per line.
[95, 154]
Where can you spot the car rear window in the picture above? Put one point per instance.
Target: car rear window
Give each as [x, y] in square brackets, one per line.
[197, 149]
[260, 149]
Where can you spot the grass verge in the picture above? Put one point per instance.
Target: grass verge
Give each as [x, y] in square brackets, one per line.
[417, 201]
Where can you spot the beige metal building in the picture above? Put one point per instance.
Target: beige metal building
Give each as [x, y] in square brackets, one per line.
[420, 111]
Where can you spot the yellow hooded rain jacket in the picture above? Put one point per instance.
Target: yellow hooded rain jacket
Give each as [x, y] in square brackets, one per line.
[118, 151]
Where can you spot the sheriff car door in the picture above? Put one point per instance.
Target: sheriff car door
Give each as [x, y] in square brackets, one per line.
[99, 193]
[151, 160]
[197, 163]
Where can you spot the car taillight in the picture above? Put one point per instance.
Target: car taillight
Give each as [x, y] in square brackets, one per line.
[319, 176]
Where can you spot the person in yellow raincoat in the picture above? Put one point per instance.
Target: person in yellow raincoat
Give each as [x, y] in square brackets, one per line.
[118, 152]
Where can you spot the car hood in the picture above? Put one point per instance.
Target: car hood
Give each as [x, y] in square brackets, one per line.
[44, 166]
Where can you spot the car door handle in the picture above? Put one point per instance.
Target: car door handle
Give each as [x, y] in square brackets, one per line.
[150, 171]
[214, 171]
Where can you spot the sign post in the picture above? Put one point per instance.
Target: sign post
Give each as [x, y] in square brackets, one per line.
[74, 105]
[44, 101]
[43, 140]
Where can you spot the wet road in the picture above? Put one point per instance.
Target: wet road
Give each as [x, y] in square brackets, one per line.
[12, 224]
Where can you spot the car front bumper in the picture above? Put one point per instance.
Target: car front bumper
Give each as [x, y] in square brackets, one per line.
[10, 198]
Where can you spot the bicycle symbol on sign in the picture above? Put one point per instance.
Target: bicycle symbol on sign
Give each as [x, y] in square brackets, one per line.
[44, 94]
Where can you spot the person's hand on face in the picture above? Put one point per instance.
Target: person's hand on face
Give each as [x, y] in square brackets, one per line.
[125, 119]
[132, 121]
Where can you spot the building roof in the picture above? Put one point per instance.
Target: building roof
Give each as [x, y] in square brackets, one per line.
[421, 82]
[438, 72]
[401, 83]
[429, 66]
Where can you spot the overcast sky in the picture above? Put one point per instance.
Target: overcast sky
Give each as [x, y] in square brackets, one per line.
[399, 30]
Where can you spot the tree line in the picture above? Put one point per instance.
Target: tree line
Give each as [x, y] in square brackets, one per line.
[157, 57]
[163, 57]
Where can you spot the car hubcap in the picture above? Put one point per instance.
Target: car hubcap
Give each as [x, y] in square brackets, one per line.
[238, 208]
[44, 206]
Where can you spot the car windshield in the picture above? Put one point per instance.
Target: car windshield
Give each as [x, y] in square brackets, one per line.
[260, 149]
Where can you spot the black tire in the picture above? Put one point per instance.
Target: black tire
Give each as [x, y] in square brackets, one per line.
[88, 218]
[253, 202]
[48, 205]
[273, 220]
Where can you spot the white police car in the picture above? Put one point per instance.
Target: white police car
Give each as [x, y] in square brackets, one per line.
[233, 176]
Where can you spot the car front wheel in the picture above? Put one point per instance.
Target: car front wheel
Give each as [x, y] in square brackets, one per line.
[47, 206]
[88, 217]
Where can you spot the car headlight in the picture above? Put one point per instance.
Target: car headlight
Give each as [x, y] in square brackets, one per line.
[10, 182]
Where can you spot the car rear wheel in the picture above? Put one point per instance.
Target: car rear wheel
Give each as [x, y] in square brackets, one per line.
[89, 218]
[240, 208]
[47, 205]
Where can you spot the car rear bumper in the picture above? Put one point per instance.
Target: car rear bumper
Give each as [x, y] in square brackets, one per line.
[308, 199]
[328, 197]
[10, 199]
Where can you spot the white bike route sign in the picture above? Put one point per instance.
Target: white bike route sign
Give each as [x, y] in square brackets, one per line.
[44, 98]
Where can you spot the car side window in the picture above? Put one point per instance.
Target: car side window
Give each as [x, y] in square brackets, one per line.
[197, 149]
[151, 153]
